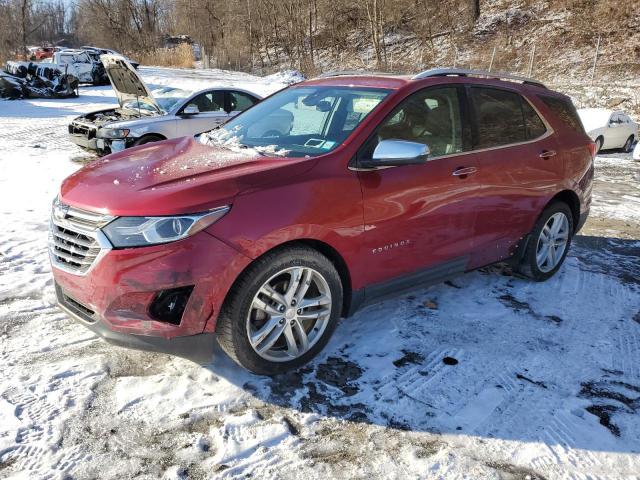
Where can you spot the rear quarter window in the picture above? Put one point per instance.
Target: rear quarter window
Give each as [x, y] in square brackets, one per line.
[564, 110]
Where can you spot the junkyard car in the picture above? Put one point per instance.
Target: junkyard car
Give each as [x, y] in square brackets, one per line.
[609, 128]
[77, 63]
[144, 117]
[95, 53]
[379, 184]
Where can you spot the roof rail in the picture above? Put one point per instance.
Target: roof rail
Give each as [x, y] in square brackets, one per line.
[443, 72]
[349, 73]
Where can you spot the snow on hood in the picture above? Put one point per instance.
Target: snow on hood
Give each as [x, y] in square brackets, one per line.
[221, 137]
[173, 177]
[593, 118]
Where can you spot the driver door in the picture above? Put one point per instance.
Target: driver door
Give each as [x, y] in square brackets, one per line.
[210, 113]
[419, 219]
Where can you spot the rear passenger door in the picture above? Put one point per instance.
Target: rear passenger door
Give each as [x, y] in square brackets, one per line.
[518, 162]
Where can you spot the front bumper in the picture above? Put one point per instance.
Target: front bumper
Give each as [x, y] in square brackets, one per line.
[113, 297]
[199, 347]
[83, 141]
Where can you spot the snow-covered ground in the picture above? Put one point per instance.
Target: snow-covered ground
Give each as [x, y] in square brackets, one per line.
[542, 380]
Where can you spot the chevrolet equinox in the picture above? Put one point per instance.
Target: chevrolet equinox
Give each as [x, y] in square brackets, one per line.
[371, 184]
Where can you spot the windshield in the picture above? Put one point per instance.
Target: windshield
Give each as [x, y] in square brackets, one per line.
[168, 97]
[299, 121]
[165, 97]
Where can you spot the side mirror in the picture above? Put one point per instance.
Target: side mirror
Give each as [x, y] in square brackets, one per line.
[395, 153]
[190, 109]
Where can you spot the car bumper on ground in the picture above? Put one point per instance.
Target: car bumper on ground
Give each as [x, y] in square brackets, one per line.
[118, 296]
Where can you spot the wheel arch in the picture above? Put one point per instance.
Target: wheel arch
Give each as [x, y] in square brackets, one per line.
[322, 247]
[572, 200]
[151, 134]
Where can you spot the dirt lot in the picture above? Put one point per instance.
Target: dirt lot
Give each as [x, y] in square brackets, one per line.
[485, 376]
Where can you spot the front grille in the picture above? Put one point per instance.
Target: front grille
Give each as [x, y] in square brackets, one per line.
[83, 130]
[74, 240]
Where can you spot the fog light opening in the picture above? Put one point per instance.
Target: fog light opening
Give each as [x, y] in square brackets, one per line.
[168, 305]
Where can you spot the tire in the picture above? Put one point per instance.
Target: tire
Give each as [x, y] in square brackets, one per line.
[148, 139]
[627, 147]
[530, 265]
[239, 317]
[599, 143]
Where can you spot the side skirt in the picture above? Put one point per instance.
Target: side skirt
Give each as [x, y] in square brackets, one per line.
[406, 283]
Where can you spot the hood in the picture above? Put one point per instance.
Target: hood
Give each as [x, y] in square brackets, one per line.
[177, 176]
[126, 82]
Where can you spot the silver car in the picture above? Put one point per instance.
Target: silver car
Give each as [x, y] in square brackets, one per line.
[144, 116]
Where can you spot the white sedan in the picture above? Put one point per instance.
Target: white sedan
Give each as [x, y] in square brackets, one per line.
[609, 128]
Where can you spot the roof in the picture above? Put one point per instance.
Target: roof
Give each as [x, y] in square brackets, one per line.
[392, 82]
[384, 80]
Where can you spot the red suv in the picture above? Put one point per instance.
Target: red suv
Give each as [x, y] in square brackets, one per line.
[327, 195]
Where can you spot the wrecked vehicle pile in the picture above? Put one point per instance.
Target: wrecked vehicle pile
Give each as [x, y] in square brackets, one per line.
[31, 80]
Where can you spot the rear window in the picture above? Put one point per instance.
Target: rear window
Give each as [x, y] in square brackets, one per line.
[503, 118]
[565, 111]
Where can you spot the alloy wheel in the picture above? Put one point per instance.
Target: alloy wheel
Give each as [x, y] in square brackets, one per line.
[289, 314]
[552, 242]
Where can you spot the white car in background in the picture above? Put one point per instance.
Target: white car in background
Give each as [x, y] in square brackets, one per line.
[609, 128]
[636, 152]
[143, 116]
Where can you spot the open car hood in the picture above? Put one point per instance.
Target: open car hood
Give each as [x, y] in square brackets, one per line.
[126, 82]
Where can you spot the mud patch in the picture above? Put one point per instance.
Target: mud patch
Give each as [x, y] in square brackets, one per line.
[409, 357]
[340, 373]
[603, 412]
[512, 472]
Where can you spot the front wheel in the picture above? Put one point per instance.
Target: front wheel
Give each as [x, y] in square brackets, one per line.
[549, 242]
[148, 139]
[281, 311]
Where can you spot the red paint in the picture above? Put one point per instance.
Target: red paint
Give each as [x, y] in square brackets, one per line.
[422, 214]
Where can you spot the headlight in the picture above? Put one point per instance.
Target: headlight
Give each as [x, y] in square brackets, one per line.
[143, 231]
[113, 132]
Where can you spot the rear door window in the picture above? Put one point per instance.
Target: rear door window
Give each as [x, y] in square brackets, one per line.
[499, 119]
[533, 124]
[240, 101]
[564, 110]
[503, 117]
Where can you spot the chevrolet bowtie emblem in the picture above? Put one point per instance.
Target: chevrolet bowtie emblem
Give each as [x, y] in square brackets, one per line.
[60, 211]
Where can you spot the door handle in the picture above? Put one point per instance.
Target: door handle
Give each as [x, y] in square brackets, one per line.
[462, 172]
[547, 154]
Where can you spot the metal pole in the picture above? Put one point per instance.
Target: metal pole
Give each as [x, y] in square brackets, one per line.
[533, 54]
[595, 60]
[493, 55]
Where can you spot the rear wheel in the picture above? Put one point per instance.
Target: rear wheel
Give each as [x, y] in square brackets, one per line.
[627, 145]
[548, 243]
[599, 143]
[281, 311]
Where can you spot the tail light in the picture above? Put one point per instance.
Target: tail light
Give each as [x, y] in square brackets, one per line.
[592, 149]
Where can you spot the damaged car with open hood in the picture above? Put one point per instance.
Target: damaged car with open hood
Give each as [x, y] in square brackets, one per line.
[144, 116]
